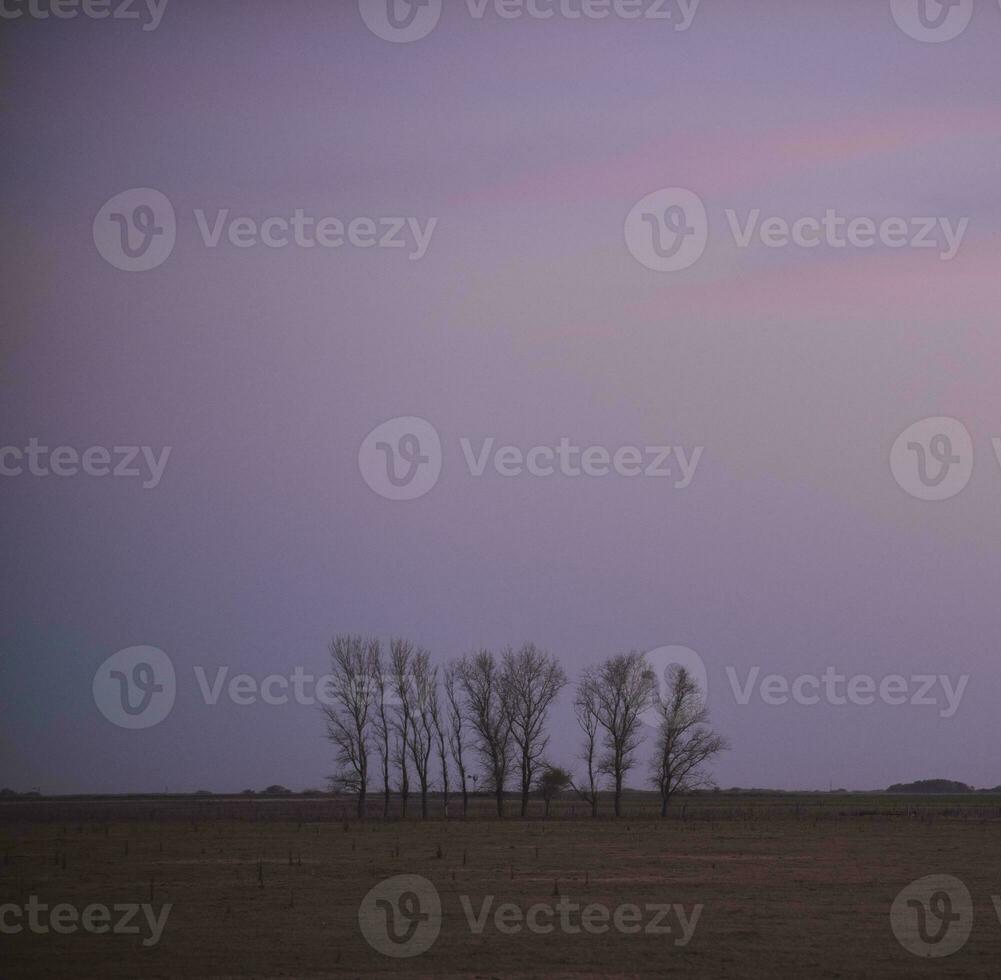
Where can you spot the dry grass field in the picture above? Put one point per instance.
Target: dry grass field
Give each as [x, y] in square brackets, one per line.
[765, 889]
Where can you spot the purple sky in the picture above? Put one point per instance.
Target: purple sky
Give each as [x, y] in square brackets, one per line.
[528, 320]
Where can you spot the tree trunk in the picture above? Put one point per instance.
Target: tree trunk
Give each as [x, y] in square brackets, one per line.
[385, 787]
[500, 801]
[404, 781]
[526, 786]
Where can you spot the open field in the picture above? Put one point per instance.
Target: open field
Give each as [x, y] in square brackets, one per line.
[787, 887]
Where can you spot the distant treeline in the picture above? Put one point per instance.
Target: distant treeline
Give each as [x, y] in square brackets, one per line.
[938, 786]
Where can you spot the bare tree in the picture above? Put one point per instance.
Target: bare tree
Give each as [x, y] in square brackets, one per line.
[441, 730]
[586, 709]
[350, 698]
[532, 679]
[490, 718]
[551, 782]
[424, 680]
[685, 742]
[456, 730]
[401, 654]
[625, 688]
[382, 723]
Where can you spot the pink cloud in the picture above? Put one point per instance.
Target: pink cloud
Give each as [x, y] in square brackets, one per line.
[712, 161]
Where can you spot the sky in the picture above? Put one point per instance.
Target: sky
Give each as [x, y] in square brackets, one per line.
[490, 269]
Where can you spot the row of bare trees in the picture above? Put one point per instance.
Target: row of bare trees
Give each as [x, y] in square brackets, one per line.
[396, 718]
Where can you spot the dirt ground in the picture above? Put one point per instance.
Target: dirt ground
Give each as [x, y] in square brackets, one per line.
[792, 894]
